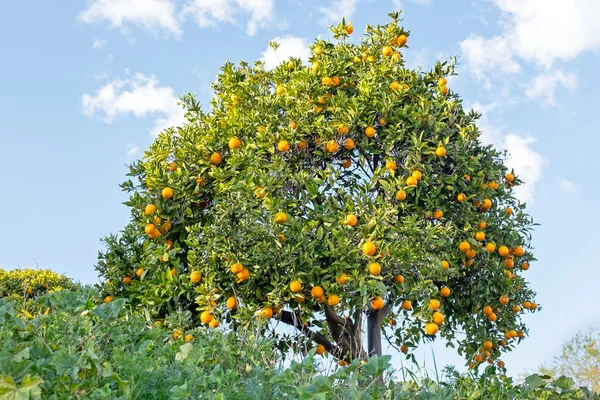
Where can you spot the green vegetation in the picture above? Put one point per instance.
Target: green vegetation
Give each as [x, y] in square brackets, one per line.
[81, 350]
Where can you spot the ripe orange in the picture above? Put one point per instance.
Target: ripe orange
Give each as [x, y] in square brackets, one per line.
[533, 306]
[343, 279]
[303, 144]
[482, 225]
[500, 364]
[404, 349]
[477, 358]
[316, 292]
[503, 299]
[461, 197]
[488, 345]
[349, 29]
[406, 305]
[445, 291]
[236, 268]
[490, 247]
[127, 280]
[400, 195]
[216, 158]
[479, 236]
[326, 81]
[368, 248]
[332, 146]
[401, 40]
[464, 246]
[260, 192]
[167, 193]
[518, 251]
[509, 177]
[509, 263]
[280, 218]
[150, 209]
[299, 297]
[232, 303]
[394, 86]
[437, 214]
[525, 266]
[445, 90]
[417, 175]
[387, 51]
[342, 129]
[173, 166]
[442, 82]
[527, 305]
[333, 300]
[336, 82]
[242, 276]
[279, 89]
[411, 181]
[374, 268]
[445, 264]
[468, 263]
[351, 220]
[206, 317]
[348, 144]
[370, 132]
[493, 185]
[492, 317]
[195, 277]
[320, 349]
[503, 251]
[509, 211]
[266, 312]
[214, 323]
[295, 286]
[234, 143]
[346, 163]
[434, 304]
[139, 272]
[293, 124]
[516, 308]
[431, 328]
[487, 310]
[440, 151]
[438, 317]
[188, 338]
[391, 165]
[377, 303]
[149, 228]
[283, 146]
[399, 279]
[471, 253]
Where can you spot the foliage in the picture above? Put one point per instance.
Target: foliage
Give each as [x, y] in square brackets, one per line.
[579, 360]
[321, 196]
[81, 350]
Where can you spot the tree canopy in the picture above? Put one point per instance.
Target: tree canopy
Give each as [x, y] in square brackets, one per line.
[350, 197]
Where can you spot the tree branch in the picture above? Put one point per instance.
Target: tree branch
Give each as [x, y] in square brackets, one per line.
[292, 319]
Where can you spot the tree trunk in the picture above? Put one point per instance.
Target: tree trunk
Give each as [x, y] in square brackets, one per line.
[374, 321]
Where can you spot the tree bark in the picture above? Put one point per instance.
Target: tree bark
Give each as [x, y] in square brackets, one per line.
[374, 321]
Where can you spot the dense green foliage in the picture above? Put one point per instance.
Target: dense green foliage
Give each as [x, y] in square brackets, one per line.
[328, 194]
[82, 350]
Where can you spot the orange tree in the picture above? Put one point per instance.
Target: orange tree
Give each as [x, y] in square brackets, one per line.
[348, 198]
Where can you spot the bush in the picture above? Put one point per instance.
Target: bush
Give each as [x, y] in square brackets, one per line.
[24, 284]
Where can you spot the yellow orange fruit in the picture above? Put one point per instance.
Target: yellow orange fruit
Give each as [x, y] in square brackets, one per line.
[150, 209]
[445, 264]
[440, 151]
[399, 279]
[368, 248]
[206, 317]
[167, 193]
[461, 197]
[349, 29]
[437, 214]
[411, 181]
[387, 51]
[480, 236]
[266, 312]
[509, 177]
[390, 165]
[370, 131]
[348, 144]
[377, 303]
[283, 146]
[236, 268]
[490, 247]
[487, 310]
[442, 82]
[518, 251]
[464, 246]
[503, 251]
[400, 195]
[320, 349]
[195, 277]
[316, 292]
[232, 303]
[445, 292]
[234, 143]
[280, 218]
[434, 304]
[431, 328]
[216, 158]
[406, 305]
[438, 318]
[295, 286]
[332, 146]
[333, 300]
[503, 299]
[374, 268]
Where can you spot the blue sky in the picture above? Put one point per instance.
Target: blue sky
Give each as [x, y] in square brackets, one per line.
[85, 86]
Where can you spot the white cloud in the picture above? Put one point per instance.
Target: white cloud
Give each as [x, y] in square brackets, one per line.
[484, 55]
[289, 46]
[527, 163]
[338, 9]
[153, 15]
[209, 13]
[139, 95]
[98, 43]
[544, 85]
[397, 4]
[568, 186]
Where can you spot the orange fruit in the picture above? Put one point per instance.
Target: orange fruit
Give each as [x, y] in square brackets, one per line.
[445, 90]
[437, 214]
[377, 303]
[260, 192]
[482, 225]
[236, 268]
[346, 163]
[342, 129]
[417, 175]
[173, 166]
[438, 318]
[533, 306]
[391, 165]
[461, 197]
[234, 143]
[401, 40]
[396, 57]
[333, 300]
[516, 308]
[518, 251]
[280, 218]
[440, 151]
[500, 364]
[214, 323]
[299, 297]
[336, 82]
[279, 89]
[400, 195]
[320, 299]
[316, 291]
[445, 292]
[348, 144]
[503, 299]
[394, 86]
[149, 228]
[492, 317]
[487, 310]
[464, 246]
[493, 185]
[406, 305]
[295, 286]
[509, 263]
[382, 121]
[320, 349]
[206, 317]
[195, 277]
[525, 266]
[127, 280]
[527, 305]
[139, 272]
[509, 177]
[332, 146]
[266, 312]
[509, 211]
[167, 193]
[348, 29]
[150, 209]
[431, 328]
[468, 263]
[490, 247]
[374, 268]
[442, 82]
[488, 345]
[392, 322]
[411, 181]
[232, 303]
[351, 220]
[503, 251]
[302, 145]
[370, 132]
[283, 146]
[512, 333]
[387, 51]
[477, 358]
[188, 338]
[479, 236]
[216, 158]
[445, 264]
[326, 81]
[293, 124]
[343, 279]
[368, 248]
[434, 304]
[404, 349]
[399, 279]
